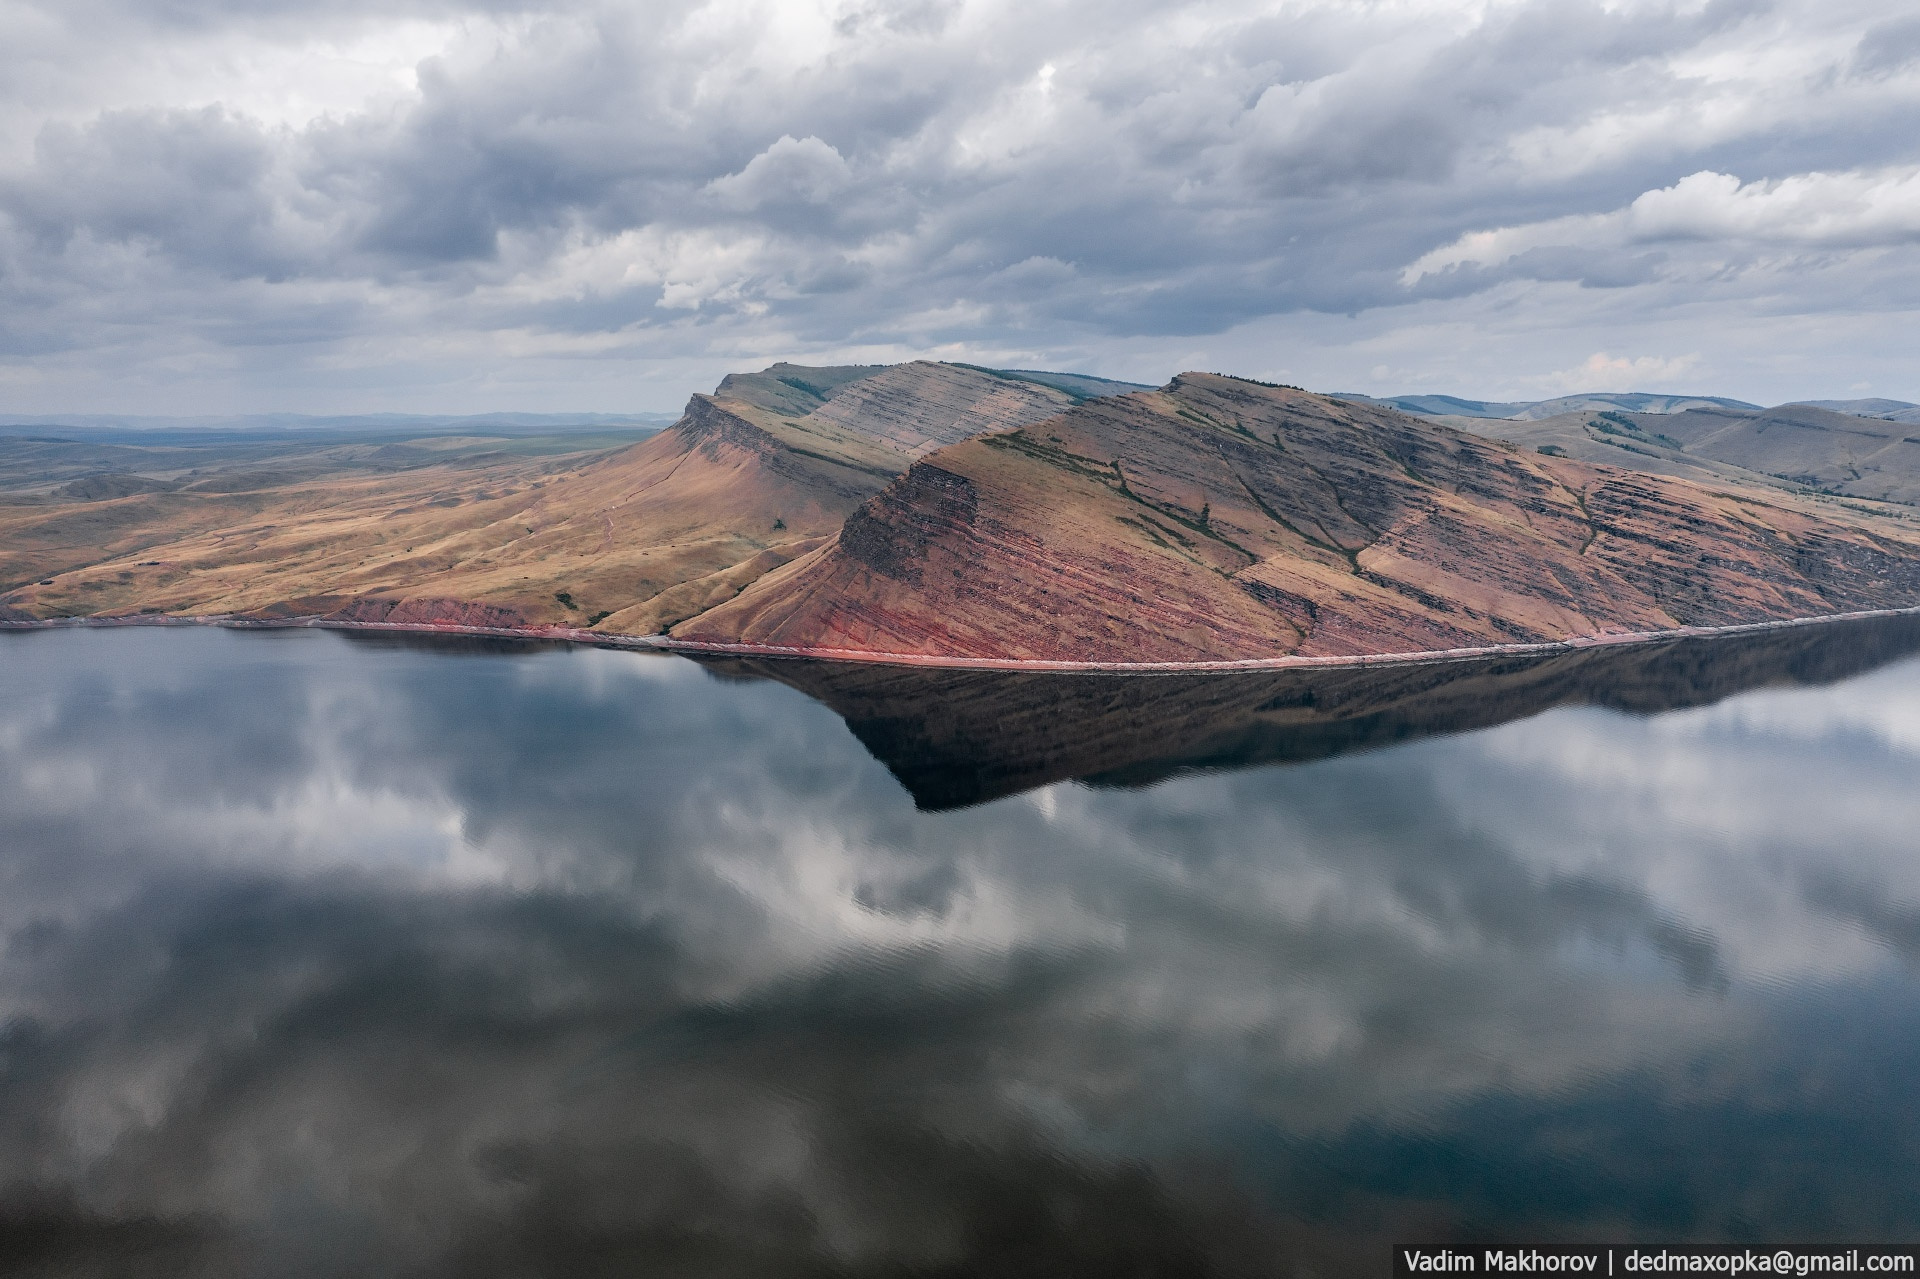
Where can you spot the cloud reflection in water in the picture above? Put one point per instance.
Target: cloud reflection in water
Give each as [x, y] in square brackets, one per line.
[324, 957]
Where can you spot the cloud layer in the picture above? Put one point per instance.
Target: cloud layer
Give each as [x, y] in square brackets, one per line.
[520, 204]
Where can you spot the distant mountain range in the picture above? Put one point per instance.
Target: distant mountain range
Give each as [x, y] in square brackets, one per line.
[1799, 448]
[1631, 402]
[413, 423]
[932, 512]
[1622, 401]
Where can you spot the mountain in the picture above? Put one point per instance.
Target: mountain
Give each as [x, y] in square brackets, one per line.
[1528, 410]
[1222, 519]
[772, 464]
[946, 511]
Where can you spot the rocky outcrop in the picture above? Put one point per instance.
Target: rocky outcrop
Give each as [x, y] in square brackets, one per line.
[893, 534]
[1221, 519]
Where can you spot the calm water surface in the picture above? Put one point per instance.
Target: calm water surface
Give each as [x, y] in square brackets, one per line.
[323, 957]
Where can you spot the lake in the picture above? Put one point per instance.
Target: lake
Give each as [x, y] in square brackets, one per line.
[335, 955]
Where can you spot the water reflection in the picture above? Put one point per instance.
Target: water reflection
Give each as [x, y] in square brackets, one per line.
[958, 737]
[322, 958]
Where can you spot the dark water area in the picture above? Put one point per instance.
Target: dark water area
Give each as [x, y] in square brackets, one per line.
[325, 956]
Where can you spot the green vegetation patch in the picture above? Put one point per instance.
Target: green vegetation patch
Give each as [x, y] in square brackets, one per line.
[1078, 463]
[1278, 386]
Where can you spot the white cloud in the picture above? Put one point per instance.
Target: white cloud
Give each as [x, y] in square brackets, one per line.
[1604, 372]
[1861, 209]
[1857, 209]
[791, 171]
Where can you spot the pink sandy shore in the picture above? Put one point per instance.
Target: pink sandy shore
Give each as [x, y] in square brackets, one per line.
[660, 643]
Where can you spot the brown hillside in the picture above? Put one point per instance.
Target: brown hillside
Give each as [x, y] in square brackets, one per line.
[629, 541]
[1222, 519]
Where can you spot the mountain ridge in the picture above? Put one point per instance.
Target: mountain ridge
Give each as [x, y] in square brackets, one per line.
[943, 512]
[1222, 519]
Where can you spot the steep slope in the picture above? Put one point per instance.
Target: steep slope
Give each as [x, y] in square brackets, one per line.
[513, 542]
[659, 531]
[1820, 470]
[735, 488]
[1224, 519]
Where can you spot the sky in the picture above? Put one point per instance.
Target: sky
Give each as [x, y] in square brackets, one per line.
[334, 206]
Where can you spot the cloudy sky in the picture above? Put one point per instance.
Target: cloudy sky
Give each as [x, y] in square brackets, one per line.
[463, 205]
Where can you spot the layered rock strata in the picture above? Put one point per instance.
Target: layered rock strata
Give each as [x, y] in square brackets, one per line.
[1220, 519]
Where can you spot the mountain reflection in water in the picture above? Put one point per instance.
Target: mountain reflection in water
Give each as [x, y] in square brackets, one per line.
[339, 958]
[958, 737]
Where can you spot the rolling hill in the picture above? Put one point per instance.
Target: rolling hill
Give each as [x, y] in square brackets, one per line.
[1796, 446]
[1891, 410]
[1531, 410]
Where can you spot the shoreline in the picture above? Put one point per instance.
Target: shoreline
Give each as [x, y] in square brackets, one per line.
[695, 648]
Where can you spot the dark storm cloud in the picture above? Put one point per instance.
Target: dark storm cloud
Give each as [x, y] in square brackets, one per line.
[615, 181]
[188, 186]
